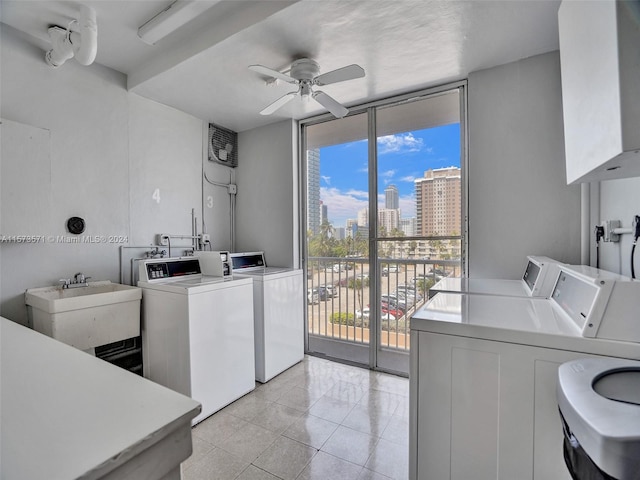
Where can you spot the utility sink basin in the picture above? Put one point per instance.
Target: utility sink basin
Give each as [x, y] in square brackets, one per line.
[86, 317]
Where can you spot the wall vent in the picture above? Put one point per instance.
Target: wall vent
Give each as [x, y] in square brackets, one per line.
[223, 146]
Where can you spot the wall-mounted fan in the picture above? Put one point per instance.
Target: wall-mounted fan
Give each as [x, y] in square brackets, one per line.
[304, 73]
[223, 146]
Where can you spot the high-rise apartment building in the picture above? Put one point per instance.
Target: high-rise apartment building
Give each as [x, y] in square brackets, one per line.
[408, 226]
[313, 190]
[438, 202]
[363, 217]
[391, 199]
[388, 219]
[324, 213]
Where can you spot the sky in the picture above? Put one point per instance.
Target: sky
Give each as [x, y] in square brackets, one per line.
[401, 159]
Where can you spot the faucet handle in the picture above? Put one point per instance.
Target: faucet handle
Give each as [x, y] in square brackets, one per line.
[79, 277]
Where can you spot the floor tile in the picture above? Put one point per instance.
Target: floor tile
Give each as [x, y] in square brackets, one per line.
[383, 402]
[397, 431]
[368, 421]
[285, 458]
[390, 383]
[299, 398]
[277, 418]
[200, 448]
[331, 409]
[216, 465]
[249, 442]
[310, 430]
[390, 459]
[350, 445]
[324, 467]
[218, 428]
[254, 473]
[367, 474]
[248, 406]
[347, 392]
[317, 420]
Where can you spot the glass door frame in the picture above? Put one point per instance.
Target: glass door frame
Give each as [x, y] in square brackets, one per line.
[399, 361]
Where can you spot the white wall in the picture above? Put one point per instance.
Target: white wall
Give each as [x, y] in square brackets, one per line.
[620, 200]
[267, 199]
[109, 152]
[519, 203]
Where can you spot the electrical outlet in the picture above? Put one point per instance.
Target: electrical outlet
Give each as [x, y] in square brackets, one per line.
[205, 238]
[233, 189]
[163, 239]
[609, 227]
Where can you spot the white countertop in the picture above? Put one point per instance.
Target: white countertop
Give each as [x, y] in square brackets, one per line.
[65, 414]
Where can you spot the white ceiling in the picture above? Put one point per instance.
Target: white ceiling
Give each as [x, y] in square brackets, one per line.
[403, 45]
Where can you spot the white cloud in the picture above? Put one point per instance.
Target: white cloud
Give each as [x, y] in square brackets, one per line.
[326, 179]
[404, 143]
[343, 205]
[408, 178]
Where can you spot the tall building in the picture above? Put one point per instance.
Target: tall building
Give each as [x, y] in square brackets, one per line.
[391, 199]
[351, 227]
[339, 233]
[313, 190]
[438, 202]
[389, 219]
[408, 226]
[324, 213]
[363, 217]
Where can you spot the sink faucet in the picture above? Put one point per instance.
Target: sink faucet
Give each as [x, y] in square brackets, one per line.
[79, 280]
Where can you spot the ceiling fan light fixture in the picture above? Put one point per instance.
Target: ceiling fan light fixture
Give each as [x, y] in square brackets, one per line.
[171, 18]
[305, 73]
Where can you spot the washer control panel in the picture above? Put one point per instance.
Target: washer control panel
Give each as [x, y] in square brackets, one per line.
[169, 268]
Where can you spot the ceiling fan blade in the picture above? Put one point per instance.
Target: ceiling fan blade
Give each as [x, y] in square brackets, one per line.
[272, 73]
[279, 103]
[330, 104]
[340, 75]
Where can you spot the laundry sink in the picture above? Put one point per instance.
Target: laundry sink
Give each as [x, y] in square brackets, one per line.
[86, 317]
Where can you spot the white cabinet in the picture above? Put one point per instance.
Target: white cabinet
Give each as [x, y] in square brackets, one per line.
[484, 409]
[600, 67]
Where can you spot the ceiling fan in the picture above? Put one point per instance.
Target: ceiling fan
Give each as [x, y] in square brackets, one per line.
[304, 73]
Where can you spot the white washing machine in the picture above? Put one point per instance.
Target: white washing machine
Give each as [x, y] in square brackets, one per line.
[538, 280]
[197, 332]
[484, 370]
[279, 302]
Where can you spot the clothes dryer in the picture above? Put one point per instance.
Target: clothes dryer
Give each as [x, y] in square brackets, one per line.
[484, 371]
[279, 301]
[197, 332]
[538, 280]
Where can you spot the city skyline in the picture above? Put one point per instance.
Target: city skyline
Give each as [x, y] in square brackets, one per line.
[402, 158]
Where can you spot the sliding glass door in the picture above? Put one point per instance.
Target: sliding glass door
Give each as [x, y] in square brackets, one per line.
[384, 215]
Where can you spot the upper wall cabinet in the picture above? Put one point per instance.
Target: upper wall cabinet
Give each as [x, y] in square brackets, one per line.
[600, 61]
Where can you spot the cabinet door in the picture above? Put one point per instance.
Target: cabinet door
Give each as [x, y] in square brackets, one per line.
[486, 410]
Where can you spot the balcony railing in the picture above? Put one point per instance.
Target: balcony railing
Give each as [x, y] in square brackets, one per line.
[339, 303]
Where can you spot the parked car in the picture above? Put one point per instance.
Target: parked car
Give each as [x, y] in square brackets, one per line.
[321, 293]
[329, 291]
[312, 297]
[431, 277]
[384, 315]
[390, 269]
[391, 310]
[394, 302]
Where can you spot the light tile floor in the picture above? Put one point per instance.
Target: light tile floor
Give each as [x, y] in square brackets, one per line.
[319, 420]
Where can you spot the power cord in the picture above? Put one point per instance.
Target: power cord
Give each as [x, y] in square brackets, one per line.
[636, 235]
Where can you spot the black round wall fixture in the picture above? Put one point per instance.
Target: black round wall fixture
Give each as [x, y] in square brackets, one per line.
[75, 225]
